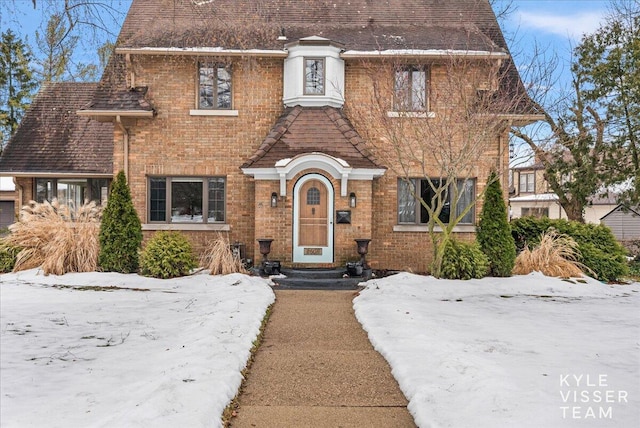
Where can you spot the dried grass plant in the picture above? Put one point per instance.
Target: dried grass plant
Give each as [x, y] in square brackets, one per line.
[219, 258]
[59, 237]
[556, 255]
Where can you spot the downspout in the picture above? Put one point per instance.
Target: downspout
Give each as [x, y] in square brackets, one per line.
[16, 209]
[125, 145]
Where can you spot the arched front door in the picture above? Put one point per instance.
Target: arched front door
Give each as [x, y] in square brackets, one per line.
[313, 220]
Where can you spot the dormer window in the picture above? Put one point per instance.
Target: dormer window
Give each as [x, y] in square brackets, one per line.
[214, 86]
[314, 76]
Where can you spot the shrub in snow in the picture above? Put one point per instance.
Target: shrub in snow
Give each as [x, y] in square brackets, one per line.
[8, 256]
[494, 233]
[58, 237]
[121, 231]
[219, 258]
[167, 255]
[464, 260]
[555, 255]
[597, 248]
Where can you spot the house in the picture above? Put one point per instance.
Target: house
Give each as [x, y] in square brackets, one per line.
[236, 117]
[532, 196]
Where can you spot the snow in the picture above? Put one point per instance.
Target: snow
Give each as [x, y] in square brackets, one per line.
[104, 349]
[525, 351]
[144, 352]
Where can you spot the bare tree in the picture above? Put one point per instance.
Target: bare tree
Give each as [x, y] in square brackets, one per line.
[442, 138]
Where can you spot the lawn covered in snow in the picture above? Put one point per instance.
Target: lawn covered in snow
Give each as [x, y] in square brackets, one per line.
[525, 351]
[105, 349]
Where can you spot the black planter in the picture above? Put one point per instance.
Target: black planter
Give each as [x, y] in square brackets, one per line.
[363, 249]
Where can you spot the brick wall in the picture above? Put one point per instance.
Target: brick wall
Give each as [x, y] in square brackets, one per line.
[175, 143]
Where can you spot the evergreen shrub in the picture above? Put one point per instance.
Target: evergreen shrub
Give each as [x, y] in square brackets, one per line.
[167, 255]
[597, 247]
[464, 260]
[8, 255]
[120, 230]
[494, 232]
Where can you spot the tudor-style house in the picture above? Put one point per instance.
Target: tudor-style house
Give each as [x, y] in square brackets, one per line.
[231, 116]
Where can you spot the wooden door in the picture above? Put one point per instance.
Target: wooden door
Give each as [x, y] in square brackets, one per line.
[313, 221]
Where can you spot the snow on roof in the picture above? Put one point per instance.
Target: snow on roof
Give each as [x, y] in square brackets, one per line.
[538, 197]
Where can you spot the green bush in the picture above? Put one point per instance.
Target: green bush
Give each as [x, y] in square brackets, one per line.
[598, 248]
[167, 255]
[464, 260]
[120, 231]
[494, 232]
[8, 255]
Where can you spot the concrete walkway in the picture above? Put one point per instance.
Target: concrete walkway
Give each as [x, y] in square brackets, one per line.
[316, 368]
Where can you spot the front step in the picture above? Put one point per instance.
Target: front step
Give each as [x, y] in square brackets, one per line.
[318, 279]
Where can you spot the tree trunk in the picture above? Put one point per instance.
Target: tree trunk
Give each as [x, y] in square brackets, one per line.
[574, 210]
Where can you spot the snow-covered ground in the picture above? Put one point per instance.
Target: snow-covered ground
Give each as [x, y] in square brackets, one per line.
[104, 349]
[525, 351]
[144, 352]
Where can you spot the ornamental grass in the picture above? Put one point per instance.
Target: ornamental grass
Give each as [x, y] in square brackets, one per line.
[58, 237]
[220, 259]
[556, 255]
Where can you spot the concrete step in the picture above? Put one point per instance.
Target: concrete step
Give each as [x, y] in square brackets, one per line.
[319, 279]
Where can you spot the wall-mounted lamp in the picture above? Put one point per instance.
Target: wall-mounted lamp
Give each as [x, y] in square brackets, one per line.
[352, 200]
[274, 200]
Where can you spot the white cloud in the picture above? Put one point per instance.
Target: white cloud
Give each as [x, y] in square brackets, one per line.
[572, 26]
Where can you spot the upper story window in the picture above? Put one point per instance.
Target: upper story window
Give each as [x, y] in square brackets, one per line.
[214, 86]
[527, 182]
[187, 199]
[411, 89]
[411, 211]
[314, 76]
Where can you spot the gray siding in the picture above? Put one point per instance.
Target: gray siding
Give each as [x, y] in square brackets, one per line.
[624, 225]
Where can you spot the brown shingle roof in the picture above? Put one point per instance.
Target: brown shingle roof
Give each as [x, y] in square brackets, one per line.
[52, 138]
[312, 129]
[359, 24]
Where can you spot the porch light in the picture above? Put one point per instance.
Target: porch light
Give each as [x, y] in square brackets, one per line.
[352, 200]
[274, 200]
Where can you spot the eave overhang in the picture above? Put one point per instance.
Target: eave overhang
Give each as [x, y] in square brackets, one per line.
[522, 119]
[424, 53]
[53, 174]
[204, 51]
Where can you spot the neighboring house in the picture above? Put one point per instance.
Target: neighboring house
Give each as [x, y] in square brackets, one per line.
[531, 196]
[228, 116]
[7, 202]
[624, 222]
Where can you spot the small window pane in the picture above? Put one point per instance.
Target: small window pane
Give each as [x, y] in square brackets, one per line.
[314, 77]
[186, 201]
[428, 194]
[418, 90]
[406, 203]
[466, 189]
[207, 77]
[224, 88]
[216, 200]
[44, 190]
[158, 202]
[313, 196]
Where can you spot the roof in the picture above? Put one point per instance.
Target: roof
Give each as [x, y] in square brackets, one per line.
[302, 130]
[624, 208]
[358, 24]
[52, 139]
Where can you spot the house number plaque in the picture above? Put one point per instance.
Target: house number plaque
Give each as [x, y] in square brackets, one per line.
[313, 251]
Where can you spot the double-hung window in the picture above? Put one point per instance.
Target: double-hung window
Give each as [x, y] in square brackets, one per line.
[527, 182]
[410, 193]
[214, 86]
[187, 199]
[411, 89]
[314, 76]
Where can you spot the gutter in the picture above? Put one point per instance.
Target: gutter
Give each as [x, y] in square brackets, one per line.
[218, 51]
[116, 113]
